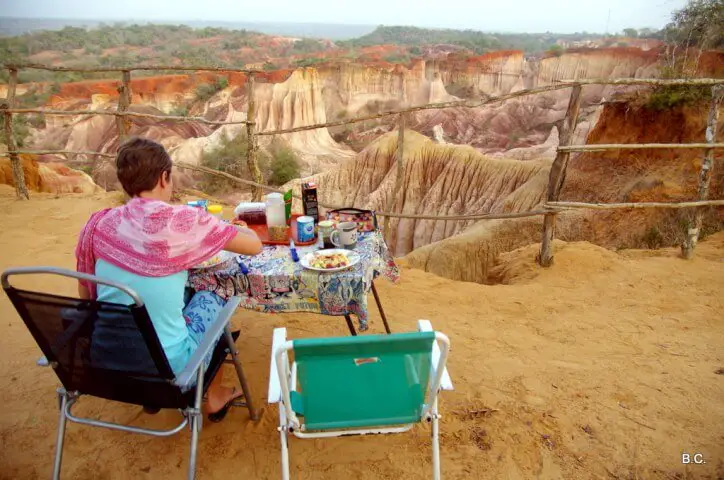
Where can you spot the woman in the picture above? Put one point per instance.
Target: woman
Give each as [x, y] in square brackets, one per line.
[149, 245]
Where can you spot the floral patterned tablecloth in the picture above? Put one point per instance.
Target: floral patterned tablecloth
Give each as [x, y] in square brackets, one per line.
[274, 283]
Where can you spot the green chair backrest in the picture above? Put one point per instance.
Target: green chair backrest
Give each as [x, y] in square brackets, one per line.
[354, 382]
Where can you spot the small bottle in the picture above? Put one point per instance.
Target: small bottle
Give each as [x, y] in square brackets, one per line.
[216, 210]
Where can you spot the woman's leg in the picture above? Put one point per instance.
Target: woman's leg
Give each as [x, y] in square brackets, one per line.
[201, 311]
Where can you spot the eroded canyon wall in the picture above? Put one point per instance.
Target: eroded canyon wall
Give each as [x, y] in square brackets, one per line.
[437, 180]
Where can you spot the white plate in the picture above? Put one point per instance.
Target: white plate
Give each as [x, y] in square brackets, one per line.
[306, 260]
[217, 259]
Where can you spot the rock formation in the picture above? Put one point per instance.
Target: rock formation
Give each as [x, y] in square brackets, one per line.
[48, 177]
[612, 176]
[437, 180]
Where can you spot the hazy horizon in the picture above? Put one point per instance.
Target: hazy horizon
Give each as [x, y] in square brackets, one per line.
[559, 16]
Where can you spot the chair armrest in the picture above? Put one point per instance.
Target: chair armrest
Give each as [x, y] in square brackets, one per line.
[445, 382]
[43, 362]
[213, 332]
[275, 389]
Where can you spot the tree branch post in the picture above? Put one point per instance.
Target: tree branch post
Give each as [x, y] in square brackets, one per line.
[124, 101]
[18, 175]
[558, 176]
[251, 138]
[705, 173]
[400, 161]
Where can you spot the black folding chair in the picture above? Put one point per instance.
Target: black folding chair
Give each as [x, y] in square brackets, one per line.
[112, 351]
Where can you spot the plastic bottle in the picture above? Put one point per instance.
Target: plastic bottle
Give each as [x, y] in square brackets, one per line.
[217, 211]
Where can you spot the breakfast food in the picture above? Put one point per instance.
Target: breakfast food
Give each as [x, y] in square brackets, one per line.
[279, 233]
[330, 260]
[210, 262]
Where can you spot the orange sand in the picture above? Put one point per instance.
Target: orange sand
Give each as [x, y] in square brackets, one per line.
[601, 367]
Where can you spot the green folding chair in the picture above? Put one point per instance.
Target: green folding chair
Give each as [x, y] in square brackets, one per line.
[358, 385]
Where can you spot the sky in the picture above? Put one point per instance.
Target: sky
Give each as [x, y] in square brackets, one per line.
[560, 16]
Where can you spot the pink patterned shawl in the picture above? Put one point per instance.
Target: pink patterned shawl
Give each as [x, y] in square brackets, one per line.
[150, 238]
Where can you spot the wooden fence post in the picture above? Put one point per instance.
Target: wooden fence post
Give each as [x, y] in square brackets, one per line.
[124, 101]
[558, 175]
[18, 175]
[707, 165]
[400, 160]
[252, 145]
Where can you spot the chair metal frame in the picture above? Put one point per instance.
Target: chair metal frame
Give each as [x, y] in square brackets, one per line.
[281, 386]
[194, 370]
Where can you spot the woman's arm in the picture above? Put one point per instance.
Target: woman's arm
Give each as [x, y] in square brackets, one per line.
[245, 242]
[83, 292]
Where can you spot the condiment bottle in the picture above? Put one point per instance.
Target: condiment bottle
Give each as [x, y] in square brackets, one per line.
[217, 211]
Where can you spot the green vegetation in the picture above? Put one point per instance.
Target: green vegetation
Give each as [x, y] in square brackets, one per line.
[207, 90]
[475, 41]
[229, 157]
[283, 166]
[397, 58]
[119, 45]
[671, 96]
[653, 238]
[307, 62]
[698, 24]
[307, 45]
[21, 129]
[555, 51]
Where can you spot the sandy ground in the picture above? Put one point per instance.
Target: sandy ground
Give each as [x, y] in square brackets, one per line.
[604, 366]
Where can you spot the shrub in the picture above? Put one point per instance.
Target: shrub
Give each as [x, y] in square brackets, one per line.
[653, 238]
[665, 97]
[229, 157]
[555, 51]
[207, 90]
[284, 166]
[179, 110]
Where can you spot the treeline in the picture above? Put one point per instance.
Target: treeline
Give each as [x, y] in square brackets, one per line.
[117, 35]
[121, 45]
[473, 40]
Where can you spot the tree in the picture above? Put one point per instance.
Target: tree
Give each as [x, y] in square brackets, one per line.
[229, 157]
[630, 32]
[700, 23]
[555, 50]
[284, 165]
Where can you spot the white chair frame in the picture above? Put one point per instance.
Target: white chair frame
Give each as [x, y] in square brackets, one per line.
[280, 393]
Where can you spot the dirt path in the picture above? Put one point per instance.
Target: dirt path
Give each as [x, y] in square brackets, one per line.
[601, 367]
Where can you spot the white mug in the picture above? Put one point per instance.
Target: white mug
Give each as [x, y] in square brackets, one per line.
[345, 235]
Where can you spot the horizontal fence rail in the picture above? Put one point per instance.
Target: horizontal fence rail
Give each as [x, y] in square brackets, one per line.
[608, 206]
[116, 113]
[180, 68]
[636, 146]
[549, 209]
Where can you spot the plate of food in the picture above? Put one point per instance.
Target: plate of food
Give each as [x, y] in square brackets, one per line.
[217, 259]
[330, 260]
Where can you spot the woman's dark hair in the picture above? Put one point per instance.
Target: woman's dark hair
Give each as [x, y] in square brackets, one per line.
[140, 163]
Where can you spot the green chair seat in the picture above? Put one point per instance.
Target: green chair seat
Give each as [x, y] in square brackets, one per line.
[353, 382]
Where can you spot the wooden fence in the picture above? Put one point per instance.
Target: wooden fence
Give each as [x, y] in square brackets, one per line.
[548, 210]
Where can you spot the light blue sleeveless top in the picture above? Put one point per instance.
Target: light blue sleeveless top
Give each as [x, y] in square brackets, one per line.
[164, 299]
